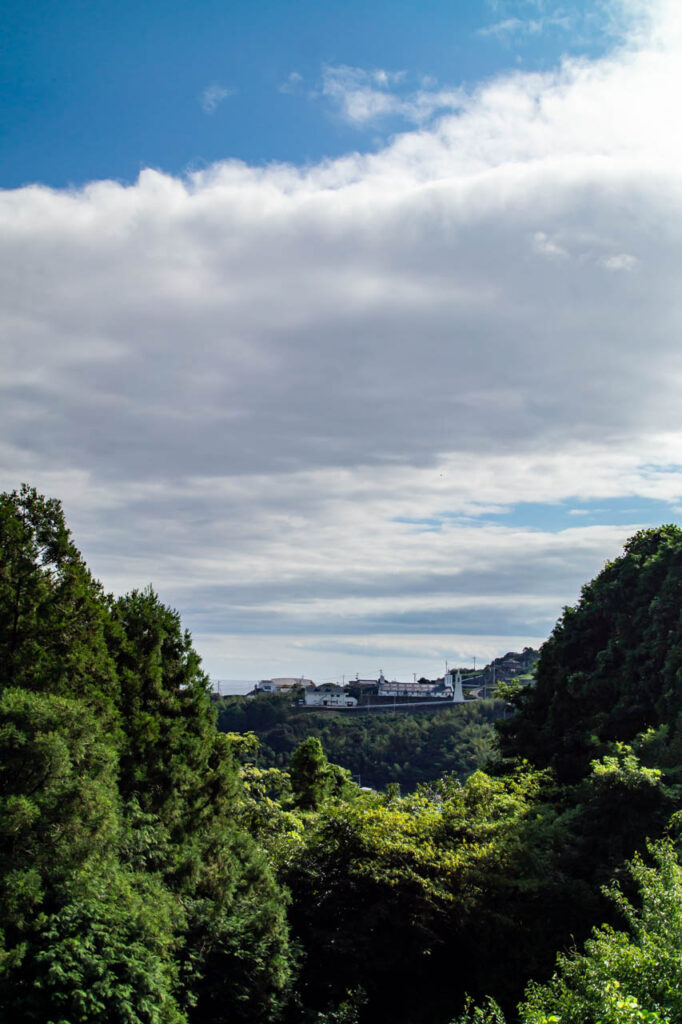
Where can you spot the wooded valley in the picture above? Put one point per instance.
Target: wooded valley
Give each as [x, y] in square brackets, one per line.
[157, 869]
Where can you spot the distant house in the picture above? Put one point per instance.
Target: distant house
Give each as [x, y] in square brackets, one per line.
[329, 695]
[284, 684]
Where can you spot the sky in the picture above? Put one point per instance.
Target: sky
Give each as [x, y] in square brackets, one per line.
[352, 328]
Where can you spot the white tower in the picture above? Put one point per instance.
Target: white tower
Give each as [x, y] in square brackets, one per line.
[458, 695]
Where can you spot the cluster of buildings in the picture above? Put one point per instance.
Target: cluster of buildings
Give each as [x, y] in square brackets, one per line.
[368, 692]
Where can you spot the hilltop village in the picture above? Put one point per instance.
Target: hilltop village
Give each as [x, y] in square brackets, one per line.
[358, 694]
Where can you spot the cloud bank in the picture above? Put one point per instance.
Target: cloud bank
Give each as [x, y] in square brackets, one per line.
[311, 404]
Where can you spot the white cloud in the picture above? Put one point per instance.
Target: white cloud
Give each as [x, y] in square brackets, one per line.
[620, 261]
[213, 96]
[508, 27]
[363, 97]
[502, 28]
[300, 400]
[545, 245]
[579, 24]
[292, 83]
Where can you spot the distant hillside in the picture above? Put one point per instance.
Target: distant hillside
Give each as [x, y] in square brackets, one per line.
[376, 749]
[510, 665]
[402, 748]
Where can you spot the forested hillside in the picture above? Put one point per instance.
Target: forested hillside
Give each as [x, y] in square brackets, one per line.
[154, 870]
[377, 749]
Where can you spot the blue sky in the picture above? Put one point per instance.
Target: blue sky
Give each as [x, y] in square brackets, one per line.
[98, 90]
[352, 328]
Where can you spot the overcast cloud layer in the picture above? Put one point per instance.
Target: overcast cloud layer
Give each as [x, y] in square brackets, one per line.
[307, 402]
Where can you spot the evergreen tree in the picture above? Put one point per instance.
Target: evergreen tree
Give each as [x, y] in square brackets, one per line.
[53, 614]
[168, 721]
[182, 789]
[310, 777]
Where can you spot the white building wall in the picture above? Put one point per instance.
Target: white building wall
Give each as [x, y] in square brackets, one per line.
[317, 698]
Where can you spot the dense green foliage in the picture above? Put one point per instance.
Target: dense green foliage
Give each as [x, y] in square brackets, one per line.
[156, 870]
[633, 975]
[377, 749]
[53, 615]
[391, 896]
[630, 976]
[612, 668]
[129, 891]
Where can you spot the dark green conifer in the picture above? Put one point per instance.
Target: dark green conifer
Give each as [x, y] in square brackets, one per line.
[52, 612]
